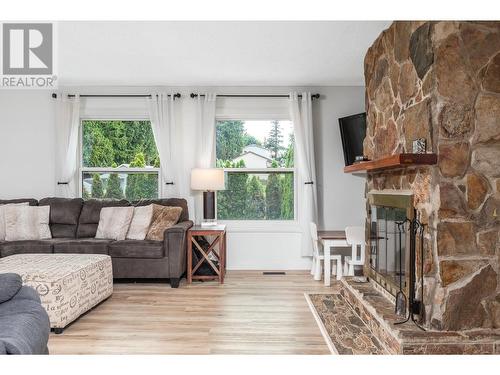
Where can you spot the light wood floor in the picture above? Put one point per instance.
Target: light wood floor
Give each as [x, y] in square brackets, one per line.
[249, 314]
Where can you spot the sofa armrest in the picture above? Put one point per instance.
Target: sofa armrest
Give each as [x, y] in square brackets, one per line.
[174, 243]
[3, 349]
[10, 285]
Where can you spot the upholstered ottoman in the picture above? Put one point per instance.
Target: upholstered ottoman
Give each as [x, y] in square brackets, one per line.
[68, 284]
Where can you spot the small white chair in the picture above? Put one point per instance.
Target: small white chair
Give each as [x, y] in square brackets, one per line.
[355, 237]
[318, 259]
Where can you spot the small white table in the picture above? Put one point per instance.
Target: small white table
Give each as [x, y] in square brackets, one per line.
[331, 238]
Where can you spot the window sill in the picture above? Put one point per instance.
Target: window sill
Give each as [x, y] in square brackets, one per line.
[262, 226]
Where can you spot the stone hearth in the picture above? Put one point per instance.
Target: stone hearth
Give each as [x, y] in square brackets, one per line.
[377, 313]
[441, 81]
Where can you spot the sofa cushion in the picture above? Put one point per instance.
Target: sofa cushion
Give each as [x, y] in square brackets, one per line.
[173, 202]
[53, 241]
[83, 246]
[64, 215]
[136, 249]
[91, 211]
[25, 247]
[10, 283]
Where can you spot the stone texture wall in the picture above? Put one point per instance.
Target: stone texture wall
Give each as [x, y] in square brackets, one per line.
[441, 81]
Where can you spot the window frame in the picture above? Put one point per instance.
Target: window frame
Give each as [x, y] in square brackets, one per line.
[247, 224]
[82, 169]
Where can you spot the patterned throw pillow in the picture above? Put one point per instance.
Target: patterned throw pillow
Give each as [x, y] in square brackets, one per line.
[27, 223]
[141, 221]
[164, 217]
[2, 217]
[114, 223]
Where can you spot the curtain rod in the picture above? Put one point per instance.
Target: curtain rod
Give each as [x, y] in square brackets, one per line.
[54, 95]
[313, 96]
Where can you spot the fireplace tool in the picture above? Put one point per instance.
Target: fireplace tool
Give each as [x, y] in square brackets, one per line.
[414, 305]
[401, 299]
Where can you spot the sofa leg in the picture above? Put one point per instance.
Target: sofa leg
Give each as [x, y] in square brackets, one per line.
[174, 282]
[58, 331]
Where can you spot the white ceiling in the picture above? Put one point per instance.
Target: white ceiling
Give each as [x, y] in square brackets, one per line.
[326, 53]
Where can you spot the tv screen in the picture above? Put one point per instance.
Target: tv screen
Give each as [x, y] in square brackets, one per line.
[352, 131]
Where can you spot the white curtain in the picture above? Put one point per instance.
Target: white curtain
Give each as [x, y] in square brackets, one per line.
[168, 141]
[301, 115]
[205, 136]
[67, 130]
[206, 129]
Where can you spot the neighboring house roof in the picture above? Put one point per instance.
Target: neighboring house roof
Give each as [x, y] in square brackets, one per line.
[254, 153]
[253, 160]
[128, 166]
[258, 150]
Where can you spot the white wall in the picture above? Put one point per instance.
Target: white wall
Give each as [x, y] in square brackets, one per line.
[340, 195]
[27, 139]
[27, 159]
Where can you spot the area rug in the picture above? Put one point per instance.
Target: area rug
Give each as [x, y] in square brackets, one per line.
[343, 330]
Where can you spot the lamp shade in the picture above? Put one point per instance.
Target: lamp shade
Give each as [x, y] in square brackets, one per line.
[209, 179]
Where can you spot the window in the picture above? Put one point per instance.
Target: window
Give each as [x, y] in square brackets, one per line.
[119, 159]
[258, 157]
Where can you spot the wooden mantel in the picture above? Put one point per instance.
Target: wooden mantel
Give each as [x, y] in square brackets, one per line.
[391, 162]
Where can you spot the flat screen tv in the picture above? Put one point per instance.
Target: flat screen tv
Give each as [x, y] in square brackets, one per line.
[352, 131]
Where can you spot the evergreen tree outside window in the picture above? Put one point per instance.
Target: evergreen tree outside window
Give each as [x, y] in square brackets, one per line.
[258, 157]
[119, 160]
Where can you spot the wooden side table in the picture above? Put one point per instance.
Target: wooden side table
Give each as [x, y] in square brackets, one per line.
[219, 234]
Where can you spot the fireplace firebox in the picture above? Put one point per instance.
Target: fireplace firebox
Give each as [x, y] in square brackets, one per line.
[389, 240]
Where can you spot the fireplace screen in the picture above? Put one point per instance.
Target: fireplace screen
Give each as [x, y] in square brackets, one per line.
[394, 229]
[388, 246]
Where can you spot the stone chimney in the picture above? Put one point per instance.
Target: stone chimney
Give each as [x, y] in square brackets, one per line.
[441, 81]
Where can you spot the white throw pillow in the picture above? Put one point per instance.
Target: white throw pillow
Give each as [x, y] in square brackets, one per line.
[2, 217]
[114, 223]
[140, 223]
[27, 223]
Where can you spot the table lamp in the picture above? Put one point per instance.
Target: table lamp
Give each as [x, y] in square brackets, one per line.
[208, 180]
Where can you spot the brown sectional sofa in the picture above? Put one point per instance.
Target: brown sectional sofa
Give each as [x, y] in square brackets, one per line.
[73, 223]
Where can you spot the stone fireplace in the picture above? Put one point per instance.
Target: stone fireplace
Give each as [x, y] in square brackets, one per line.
[440, 81]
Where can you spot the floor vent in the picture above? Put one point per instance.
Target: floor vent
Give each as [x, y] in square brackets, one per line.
[268, 273]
